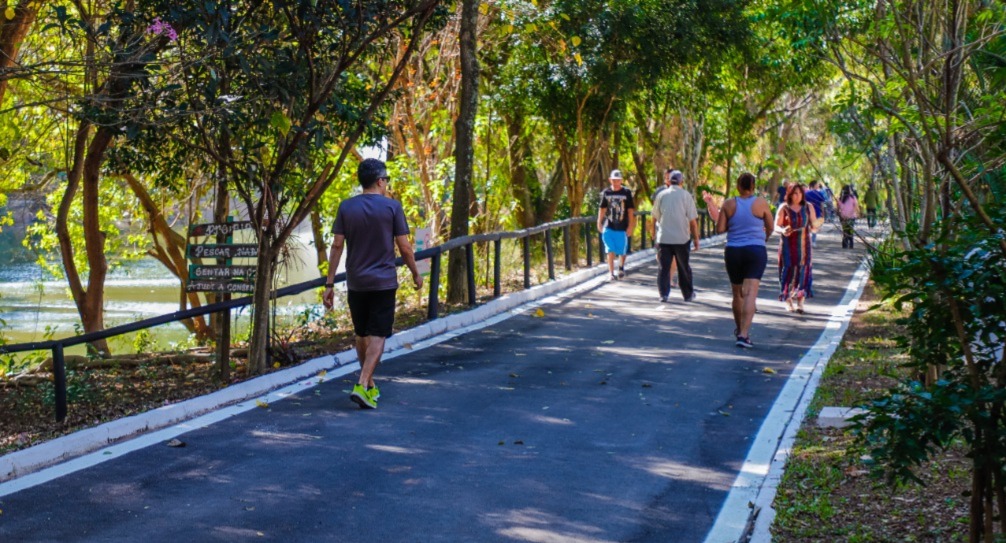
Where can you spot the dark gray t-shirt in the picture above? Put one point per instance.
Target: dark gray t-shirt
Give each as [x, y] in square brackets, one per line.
[370, 223]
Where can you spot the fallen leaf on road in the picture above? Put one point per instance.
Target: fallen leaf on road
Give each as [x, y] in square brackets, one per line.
[260, 403]
[322, 374]
[408, 346]
[647, 385]
[722, 412]
[518, 442]
[539, 313]
[502, 442]
[769, 371]
[176, 443]
[514, 375]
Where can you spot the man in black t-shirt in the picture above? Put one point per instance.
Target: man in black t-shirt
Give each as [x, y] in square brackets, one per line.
[616, 218]
[370, 225]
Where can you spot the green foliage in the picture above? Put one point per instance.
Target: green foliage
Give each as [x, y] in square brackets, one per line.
[961, 280]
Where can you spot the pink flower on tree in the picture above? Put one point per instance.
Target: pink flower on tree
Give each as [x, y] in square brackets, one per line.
[161, 28]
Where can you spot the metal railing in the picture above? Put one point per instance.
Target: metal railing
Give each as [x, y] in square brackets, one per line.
[58, 346]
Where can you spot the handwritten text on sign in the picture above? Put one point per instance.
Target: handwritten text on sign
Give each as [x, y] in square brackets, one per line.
[223, 251]
[213, 229]
[221, 272]
[219, 286]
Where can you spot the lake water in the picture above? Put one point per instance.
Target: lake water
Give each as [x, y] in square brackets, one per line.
[30, 302]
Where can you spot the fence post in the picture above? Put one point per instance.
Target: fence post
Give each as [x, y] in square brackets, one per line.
[434, 301]
[600, 247]
[59, 381]
[496, 267]
[565, 248]
[589, 244]
[642, 241]
[470, 265]
[526, 241]
[548, 253]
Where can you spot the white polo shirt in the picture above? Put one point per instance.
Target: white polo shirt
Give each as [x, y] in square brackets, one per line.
[673, 211]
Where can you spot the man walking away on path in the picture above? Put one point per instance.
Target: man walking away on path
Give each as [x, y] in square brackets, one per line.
[816, 197]
[871, 199]
[653, 229]
[747, 220]
[371, 225]
[675, 215]
[615, 217]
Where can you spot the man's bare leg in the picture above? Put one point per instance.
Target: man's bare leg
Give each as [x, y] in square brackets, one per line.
[374, 348]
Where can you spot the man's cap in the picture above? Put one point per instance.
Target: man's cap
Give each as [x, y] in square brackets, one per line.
[615, 174]
[677, 176]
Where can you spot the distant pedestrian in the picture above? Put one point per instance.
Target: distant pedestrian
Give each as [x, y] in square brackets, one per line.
[872, 201]
[664, 185]
[796, 220]
[816, 197]
[616, 218]
[747, 220]
[780, 193]
[675, 216]
[370, 226]
[848, 212]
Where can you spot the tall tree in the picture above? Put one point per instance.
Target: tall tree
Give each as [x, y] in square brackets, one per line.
[464, 153]
[297, 104]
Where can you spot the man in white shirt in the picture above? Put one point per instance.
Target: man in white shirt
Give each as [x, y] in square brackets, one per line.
[675, 216]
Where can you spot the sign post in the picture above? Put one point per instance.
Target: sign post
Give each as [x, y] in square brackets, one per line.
[223, 278]
[424, 240]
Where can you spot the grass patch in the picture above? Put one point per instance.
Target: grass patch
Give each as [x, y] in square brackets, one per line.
[827, 493]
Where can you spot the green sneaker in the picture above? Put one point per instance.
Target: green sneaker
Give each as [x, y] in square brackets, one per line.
[362, 398]
[374, 392]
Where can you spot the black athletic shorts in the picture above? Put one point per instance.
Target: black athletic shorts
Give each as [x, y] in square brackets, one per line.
[373, 312]
[746, 262]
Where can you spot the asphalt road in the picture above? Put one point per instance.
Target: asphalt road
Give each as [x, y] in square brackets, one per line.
[611, 418]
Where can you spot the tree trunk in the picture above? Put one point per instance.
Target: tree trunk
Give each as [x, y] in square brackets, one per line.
[169, 250]
[93, 316]
[464, 154]
[523, 178]
[318, 233]
[258, 350]
[12, 34]
[222, 320]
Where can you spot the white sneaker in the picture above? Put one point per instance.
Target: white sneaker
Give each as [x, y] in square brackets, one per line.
[613, 277]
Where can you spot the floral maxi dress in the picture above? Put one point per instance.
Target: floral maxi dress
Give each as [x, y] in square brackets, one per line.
[795, 270]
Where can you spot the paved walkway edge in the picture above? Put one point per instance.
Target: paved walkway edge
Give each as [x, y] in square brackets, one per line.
[754, 490]
[20, 469]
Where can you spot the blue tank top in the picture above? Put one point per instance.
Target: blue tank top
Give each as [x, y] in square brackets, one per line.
[743, 228]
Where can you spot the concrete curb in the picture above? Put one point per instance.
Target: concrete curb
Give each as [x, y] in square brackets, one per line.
[27, 461]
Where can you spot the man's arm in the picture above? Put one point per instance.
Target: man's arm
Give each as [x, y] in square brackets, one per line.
[632, 221]
[334, 256]
[600, 218]
[409, 256]
[694, 226]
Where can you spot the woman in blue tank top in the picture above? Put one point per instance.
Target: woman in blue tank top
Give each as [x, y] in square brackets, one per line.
[748, 222]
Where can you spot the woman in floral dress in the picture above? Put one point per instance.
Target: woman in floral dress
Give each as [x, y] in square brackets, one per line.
[796, 221]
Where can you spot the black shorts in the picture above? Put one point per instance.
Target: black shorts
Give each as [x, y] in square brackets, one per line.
[746, 262]
[373, 312]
